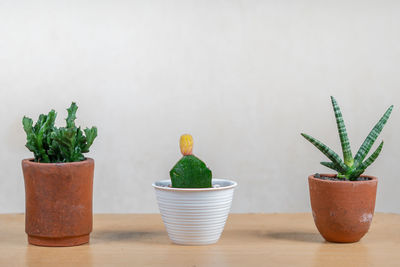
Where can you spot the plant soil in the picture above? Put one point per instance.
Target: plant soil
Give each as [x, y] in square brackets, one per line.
[317, 175]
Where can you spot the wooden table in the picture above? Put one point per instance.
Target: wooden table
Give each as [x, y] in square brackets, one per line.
[248, 240]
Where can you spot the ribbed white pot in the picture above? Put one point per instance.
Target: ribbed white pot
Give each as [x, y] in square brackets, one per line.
[195, 216]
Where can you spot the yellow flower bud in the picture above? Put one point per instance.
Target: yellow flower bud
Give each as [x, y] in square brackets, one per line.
[186, 144]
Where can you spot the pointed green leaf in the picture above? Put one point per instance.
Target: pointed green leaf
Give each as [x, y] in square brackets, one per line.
[332, 166]
[344, 140]
[369, 141]
[327, 151]
[372, 158]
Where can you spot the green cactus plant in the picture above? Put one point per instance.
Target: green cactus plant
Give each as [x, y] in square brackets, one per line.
[190, 171]
[50, 144]
[350, 168]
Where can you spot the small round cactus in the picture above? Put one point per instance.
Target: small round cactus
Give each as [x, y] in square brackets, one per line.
[190, 171]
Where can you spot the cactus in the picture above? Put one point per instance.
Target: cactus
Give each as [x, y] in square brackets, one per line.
[190, 171]
[350, 168]
[50, 144]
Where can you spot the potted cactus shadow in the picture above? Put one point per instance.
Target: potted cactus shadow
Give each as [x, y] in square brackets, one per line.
[343, 204]
[194, 207]
[58, 181]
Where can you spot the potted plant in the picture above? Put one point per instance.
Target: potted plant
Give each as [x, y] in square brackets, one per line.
[343, 204]
[58, 181]
[193, 206]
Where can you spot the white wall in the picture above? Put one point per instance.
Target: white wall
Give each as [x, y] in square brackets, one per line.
[243, 77]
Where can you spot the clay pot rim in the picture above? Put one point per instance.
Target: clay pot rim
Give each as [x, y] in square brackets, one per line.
[372, 179]
[232, 184]
[82, 162]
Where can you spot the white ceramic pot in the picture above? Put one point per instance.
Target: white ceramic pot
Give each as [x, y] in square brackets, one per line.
[195, 216]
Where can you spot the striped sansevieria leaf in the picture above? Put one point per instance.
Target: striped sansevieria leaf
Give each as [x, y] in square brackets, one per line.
[369, 141]
[350, 168]
[327, 151]
[344, 139]
[373, 157]
[333, 166]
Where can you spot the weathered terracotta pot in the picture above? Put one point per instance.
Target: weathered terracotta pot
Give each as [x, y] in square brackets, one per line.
[58, 202]
[342, 210]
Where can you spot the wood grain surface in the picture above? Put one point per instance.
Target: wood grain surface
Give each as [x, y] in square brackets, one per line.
[248, 240]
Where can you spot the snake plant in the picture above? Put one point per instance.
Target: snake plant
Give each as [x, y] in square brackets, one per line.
[350, 168]
[190, 171]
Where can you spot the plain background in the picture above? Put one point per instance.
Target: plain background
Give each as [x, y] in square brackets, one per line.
[243, 77]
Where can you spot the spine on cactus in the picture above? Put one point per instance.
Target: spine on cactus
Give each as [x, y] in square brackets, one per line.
[190, 171]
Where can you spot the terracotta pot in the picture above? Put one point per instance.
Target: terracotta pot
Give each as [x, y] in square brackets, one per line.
[342, 210]
[58, 202]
